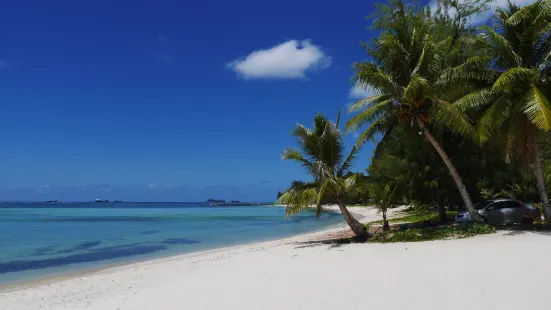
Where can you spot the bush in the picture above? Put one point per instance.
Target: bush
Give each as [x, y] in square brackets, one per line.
[437, 233]
[417, 217]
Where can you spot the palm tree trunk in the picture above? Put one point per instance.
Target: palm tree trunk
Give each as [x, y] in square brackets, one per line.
[542, 190]
[356, 226]
[386, 225]
[453, 172]
[442, 214]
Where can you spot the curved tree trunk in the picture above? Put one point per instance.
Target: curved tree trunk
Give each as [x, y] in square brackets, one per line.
[356, 226]
[453, 172]
[542, 190]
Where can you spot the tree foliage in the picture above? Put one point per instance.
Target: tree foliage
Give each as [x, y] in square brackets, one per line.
[322, 153]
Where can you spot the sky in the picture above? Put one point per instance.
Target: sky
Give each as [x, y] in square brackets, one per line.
[169, 100]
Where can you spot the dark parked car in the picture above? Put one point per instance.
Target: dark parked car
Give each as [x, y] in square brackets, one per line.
[502, 212]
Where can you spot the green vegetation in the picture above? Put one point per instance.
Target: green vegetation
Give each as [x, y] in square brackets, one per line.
[417, 217]
[459, 114]
[322, 155]
[436, 233]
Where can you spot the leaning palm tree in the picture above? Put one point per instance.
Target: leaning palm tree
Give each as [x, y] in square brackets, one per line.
[404, 76]
[322, 155]
[514, 101]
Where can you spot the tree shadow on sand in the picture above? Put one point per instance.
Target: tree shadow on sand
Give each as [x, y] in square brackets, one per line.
[523, 229]
[334, 240]
[333, 243]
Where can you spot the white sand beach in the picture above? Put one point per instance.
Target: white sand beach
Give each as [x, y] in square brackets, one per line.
[499, 271]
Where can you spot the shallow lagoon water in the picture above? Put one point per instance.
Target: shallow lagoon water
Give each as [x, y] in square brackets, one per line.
[41, 240]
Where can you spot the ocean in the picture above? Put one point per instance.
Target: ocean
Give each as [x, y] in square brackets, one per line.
[40, 240]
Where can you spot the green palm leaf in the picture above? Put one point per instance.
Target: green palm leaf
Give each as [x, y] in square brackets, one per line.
[321, 194]
[368, 74]
[475, 100]
[296, 156]
[537, 108]
[367, 115]
[503, 47]
[367, 102]
[451, 117]
[416, 88]
[380, 125]
[474, 69]
[492, 119]
[348, 162]
[540, 8]
[514, 77]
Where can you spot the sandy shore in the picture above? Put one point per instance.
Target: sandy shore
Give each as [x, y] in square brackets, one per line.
[505, 271]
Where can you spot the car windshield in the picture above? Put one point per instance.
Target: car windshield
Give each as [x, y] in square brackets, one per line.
[481, 205]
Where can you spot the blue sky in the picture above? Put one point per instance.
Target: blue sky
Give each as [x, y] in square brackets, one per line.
[168, 100]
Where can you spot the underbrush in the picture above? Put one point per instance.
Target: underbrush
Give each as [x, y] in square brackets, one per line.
[416, 217]
[433, 233]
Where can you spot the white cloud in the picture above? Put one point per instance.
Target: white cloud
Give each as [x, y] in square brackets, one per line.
[289, 60]
[484, 17]
[358, 92]
[153, 186]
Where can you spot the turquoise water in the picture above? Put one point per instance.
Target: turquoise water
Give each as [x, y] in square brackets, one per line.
[41, 240]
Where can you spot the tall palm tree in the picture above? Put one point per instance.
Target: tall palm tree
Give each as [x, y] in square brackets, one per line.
[322, 155]
[407, 64]
[514, 101]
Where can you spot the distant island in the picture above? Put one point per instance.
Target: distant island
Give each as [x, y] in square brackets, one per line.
[221, 203]
[215, 201]
[107, 200]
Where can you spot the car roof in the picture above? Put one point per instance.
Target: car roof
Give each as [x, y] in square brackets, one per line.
[499, 200]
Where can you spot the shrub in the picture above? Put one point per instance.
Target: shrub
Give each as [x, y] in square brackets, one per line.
[433, 233]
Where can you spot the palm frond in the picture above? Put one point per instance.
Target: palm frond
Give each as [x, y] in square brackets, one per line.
[416, 88]
[502, 47]
[379, 148]
[419, 61]
[492, 119]
[545, 60]
[331, 146]
[338, 121]
[475, 100]
[513, 78]
[321, 170]
[367, 102]
[537, 108]
[474, 69]
[513, 130]
[367, 115]
[451, 117]
[347, 163]
[308, 140]
[296, 156]
[530, 11]
[380, 125]
[321, 195]
[299, 199]
[370, 75]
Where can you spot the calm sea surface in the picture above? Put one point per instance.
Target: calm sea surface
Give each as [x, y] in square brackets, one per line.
[40, 240]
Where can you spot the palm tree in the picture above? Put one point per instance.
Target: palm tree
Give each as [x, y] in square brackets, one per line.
[514, 100]
[322, 155]
[404, 76]
[384, 194]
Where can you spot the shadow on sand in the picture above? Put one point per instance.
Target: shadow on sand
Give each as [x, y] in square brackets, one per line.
[336, 240]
